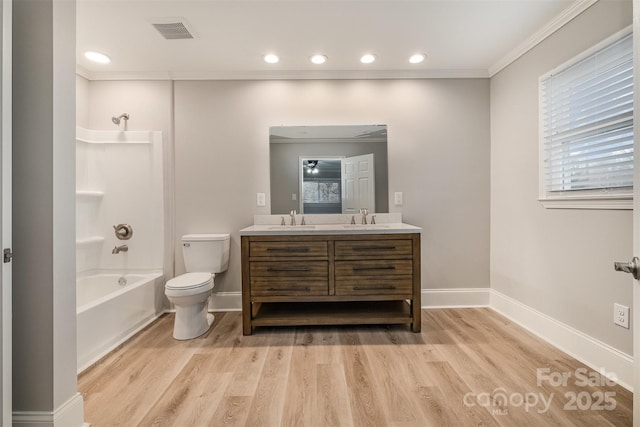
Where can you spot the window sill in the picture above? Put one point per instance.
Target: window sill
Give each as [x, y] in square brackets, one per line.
[611, 201]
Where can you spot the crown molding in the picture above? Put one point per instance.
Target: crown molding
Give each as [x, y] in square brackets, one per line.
[286, 75]
[575, 9]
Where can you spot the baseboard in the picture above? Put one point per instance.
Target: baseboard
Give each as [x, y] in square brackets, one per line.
[588, 350]
[226, 301]
[69, 414]
[455, 298]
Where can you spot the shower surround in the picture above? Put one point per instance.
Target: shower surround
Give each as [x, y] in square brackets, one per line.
[119, 180]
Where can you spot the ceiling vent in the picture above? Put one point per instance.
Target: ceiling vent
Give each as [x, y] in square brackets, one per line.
[173, 29]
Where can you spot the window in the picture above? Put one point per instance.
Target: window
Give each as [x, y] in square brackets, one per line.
[586, 129]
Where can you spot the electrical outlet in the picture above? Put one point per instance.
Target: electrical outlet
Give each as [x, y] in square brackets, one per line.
[621, 315]
[397, 198]
[294, 196]
[260, 199]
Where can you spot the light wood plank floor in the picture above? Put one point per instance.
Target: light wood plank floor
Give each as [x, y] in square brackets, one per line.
[467, 367]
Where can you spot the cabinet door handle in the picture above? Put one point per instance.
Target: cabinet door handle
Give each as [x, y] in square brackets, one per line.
[273, 269]
[382, 267]
[373, 288]
[303, 249]
[373, 248]
[289, 289]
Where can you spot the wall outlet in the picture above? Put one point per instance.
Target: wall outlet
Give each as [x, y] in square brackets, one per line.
[294, 196]
[260, 199]
[397, 198]
[621, 315]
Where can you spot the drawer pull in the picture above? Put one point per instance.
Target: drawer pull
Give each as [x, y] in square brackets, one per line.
[273, 269]
[289, 289]
[373, 288]
[382, 267]
[304, 249]
[373, 248]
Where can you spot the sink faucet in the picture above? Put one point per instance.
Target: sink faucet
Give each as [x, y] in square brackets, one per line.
[364, 212]
[292, 214]
[121, 248]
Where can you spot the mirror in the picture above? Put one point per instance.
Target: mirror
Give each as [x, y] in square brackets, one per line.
[328, 169]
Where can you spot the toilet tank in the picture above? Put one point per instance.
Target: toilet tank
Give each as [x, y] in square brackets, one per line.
[205, 252]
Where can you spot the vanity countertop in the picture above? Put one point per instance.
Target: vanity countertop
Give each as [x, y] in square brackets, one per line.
[315, 229]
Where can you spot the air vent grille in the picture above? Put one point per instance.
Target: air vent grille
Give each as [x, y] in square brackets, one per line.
[173, 31]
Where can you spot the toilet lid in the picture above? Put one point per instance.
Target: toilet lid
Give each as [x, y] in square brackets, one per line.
[189, 281]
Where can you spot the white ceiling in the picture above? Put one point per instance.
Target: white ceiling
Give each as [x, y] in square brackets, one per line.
[472, 38]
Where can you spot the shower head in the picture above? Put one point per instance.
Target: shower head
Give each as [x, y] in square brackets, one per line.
[116, 120]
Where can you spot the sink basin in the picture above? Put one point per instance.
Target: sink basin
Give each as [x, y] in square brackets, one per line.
[364, 226]
[291, 227]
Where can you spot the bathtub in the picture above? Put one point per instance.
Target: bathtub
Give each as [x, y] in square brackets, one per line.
[113, 307]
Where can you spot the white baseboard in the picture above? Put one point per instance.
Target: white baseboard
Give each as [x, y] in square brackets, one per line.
[69, 414]
[225, 301]
[455, 298]
[588, 350]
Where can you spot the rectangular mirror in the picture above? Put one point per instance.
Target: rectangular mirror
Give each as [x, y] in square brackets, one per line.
[328, 169]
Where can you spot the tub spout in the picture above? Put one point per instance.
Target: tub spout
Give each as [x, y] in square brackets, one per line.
[121, 248]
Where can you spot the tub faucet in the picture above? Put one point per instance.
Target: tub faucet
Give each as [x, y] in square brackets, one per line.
[121, 248]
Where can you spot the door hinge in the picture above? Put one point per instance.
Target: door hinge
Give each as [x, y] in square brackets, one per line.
[7, 255]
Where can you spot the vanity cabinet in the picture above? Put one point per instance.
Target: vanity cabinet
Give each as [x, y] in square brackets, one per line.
[330, 280]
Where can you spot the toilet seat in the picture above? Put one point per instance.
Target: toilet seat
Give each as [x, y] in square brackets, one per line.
[189, 284]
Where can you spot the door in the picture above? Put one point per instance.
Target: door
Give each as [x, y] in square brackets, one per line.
[5, 209]
[358, 184]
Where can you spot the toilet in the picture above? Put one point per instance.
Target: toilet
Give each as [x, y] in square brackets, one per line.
[204, 256]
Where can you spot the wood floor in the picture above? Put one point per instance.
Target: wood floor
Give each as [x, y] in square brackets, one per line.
[467, 367]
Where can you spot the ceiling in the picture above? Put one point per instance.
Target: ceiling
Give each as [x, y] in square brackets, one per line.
[472, 38]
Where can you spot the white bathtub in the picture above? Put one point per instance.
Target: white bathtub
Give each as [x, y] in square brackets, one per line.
[110, 312]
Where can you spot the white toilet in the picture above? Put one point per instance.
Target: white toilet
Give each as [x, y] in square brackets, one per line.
[204, 256]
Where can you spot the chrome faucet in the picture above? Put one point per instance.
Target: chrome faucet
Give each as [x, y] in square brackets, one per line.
[292, 214]
[364, 212]
[121, 248]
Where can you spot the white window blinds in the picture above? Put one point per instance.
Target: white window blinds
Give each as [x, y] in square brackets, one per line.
[587, 121]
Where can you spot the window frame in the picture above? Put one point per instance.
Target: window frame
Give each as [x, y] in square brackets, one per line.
[621, 198]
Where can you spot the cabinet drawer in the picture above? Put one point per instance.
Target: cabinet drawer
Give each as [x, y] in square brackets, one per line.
[315, 269]
[382, 267]
[373, 249]
[288, 249]
[377, 286]
[271, 287]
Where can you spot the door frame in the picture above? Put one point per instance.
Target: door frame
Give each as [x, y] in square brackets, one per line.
[6, 16]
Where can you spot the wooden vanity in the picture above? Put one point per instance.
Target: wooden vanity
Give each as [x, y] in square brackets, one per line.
[318, 278]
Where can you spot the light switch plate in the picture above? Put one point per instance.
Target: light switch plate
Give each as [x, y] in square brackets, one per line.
[397, 198]
[260, 199]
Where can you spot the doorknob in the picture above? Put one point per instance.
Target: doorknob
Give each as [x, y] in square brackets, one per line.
[632, 267]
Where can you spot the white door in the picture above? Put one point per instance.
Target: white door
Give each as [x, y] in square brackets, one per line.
[358, 184]
[5, 209]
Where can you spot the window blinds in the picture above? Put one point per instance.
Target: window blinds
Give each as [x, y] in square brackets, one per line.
[587, 121]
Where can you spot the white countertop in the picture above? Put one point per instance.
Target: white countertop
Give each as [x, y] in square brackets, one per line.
[315, 229]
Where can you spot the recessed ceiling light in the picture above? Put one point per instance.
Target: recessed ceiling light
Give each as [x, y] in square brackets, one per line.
[271, 58]
[318, 59]
[98, 57]
[417, 58]
[368, 58]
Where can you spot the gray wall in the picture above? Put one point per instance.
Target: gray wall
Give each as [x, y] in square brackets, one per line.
[438, 155]
[438, 152]
[44, 294]
[559, 262]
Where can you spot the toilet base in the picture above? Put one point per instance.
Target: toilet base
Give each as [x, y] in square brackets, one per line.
[192, 321]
